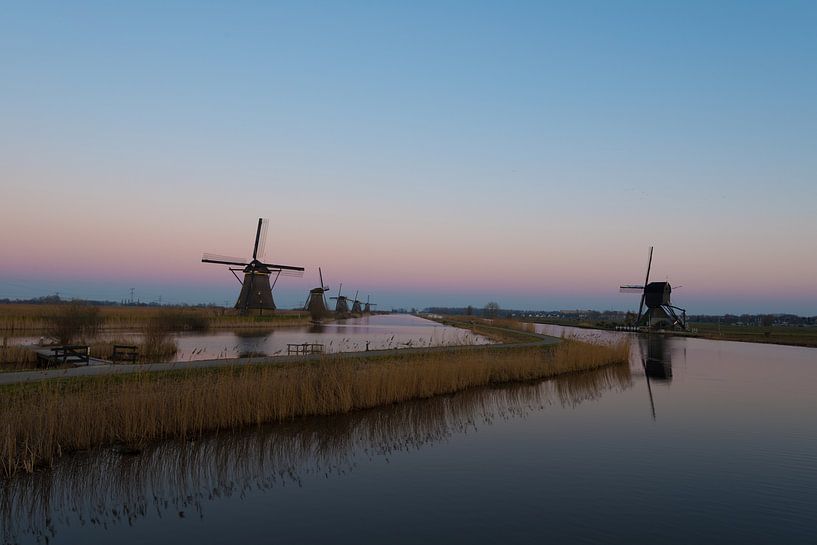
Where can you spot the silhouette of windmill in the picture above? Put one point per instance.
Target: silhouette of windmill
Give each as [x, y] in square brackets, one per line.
[342, 305]
[256, 291]
[660, 313]
[316, 305]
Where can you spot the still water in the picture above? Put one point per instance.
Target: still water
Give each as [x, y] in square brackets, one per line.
[355, 334]
[378, 332]
[694, 441]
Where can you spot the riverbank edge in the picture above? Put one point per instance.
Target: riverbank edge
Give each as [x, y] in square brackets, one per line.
[45, 420]
[756, 338]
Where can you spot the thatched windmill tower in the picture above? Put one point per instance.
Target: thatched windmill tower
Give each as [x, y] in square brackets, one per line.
[367, 308]
[316, 304]
[256, 291]
[660, 313]
[342, 305]
[356, 306]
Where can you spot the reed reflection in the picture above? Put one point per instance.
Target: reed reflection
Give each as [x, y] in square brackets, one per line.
[172, 478]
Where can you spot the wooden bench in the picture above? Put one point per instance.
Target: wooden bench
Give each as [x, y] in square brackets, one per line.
[303, 349]
[63, 354]
[125, 353]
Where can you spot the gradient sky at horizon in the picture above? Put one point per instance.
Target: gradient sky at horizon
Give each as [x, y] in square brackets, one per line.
[428, 153]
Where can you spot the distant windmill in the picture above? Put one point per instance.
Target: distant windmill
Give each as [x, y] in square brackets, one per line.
[316, 305]
[367, 309]
[356, 307]
[256, 291]
[660, 313]
[342, 305]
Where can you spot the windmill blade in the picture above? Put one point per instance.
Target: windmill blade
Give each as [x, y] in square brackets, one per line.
[358, 291]
[320, 275]
[631, 289]
[258, 237]
[283, 267]
[646, 282]
[649, 264]
[295, 273]
[340, 288]
[261, 239]
[232, 260]
[235, 261]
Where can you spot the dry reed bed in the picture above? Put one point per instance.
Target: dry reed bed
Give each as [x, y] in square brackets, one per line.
[20, 319]
[39, 422]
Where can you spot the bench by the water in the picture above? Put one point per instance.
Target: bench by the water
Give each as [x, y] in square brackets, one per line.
[76, 354]
[303, 349]
[125, 353]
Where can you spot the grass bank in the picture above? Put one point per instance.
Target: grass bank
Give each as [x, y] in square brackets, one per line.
[42, 421]
[784, 335]
[792, 336]
[30, 319]
[498, 330]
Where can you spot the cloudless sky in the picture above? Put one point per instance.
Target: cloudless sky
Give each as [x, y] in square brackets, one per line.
[428, 153]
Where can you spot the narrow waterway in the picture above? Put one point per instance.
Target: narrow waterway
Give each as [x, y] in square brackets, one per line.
[695, 441]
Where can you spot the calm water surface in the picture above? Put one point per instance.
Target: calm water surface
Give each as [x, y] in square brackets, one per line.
[378, 332]
[718, 446]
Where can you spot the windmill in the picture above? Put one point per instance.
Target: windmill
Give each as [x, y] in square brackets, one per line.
[316, 305]
[342, 305]
[356, 308]
[256, 291]
[660, 313]
[367, 309]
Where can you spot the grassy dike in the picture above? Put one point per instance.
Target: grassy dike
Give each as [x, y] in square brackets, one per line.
[39, 422]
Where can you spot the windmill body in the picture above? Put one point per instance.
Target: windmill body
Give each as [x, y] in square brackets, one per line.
[316, 304]
[660, 313]
[356, 305]
[342, 304]
[256, 286]
[256, 292]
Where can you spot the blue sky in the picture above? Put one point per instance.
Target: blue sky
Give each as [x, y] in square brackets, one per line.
[446, 152]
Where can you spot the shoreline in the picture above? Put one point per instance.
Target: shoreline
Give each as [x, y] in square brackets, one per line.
[808, 340]
[44, 420]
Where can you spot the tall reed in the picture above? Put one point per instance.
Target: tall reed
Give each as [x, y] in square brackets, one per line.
[39, 422]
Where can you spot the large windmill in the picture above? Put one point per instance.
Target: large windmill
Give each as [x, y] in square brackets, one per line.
[342, 305]
[660, 313]
[256, 291]
[356, 307]
[367, 309]
[316, 305]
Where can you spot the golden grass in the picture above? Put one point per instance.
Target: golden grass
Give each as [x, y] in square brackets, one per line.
[497, 330]
[39, 422]
[18, 319]
[172, 476]
[14, 357]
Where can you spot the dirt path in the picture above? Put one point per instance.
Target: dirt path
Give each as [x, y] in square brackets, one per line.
[122, 369]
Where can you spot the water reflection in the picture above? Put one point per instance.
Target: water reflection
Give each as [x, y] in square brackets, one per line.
[656, 357]
[382, 332]
[178, 479]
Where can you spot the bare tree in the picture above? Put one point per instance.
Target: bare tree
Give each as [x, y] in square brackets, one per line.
[491, 310]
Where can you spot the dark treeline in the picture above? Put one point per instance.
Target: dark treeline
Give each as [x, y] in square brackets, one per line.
[613, 316]
[762, 320]
[56, 300]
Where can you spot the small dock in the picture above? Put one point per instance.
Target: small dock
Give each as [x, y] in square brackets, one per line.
[76, 355]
